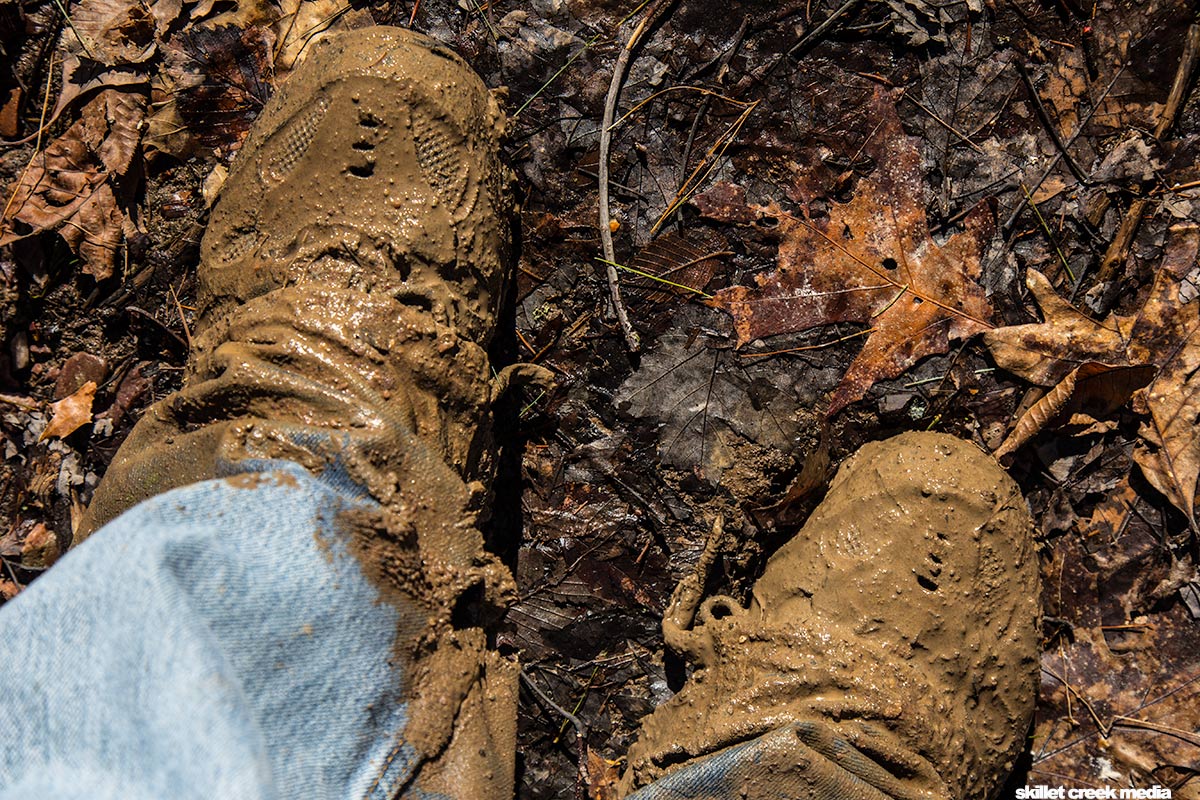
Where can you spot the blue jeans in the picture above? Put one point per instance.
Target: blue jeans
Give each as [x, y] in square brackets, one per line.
[218, 641]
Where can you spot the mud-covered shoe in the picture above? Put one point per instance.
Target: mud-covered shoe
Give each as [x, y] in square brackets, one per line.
[350, 274]
[889, 650]
[350, 279]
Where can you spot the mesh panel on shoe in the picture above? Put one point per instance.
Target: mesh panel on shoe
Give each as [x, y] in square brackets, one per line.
[440, 159]
[238, 244]
[289, 144]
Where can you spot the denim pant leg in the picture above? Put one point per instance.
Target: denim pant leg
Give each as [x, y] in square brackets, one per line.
[219, 641]
[215, 641]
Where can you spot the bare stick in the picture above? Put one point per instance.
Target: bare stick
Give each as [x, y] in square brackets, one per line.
[632, 340]
[1012, 218]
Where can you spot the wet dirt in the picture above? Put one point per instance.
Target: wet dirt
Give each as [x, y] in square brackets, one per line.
[905, 611]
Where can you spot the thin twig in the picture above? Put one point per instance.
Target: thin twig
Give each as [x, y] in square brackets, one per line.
[820, 30]
[1053, 165]
[1049, 234]
[809, 38]
[182, 319]
[583, 778]
[1049, 125]
[723, 66]
[632, 340]
[71, 25]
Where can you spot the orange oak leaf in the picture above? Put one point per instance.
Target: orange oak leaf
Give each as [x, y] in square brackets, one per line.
[872, 262]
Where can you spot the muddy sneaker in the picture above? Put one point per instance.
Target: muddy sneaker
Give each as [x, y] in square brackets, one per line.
[889, 650]
[350, 279]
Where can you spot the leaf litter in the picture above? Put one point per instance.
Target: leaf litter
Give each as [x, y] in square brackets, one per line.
[1159, 341]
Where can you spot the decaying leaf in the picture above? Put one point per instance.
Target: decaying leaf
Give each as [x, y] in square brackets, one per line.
[217, 75]
[1167, 333]
[71, 185]
[724, 202]
[873, 262]
[112, 32]
[1119, 693]
[1044, 353]
[922, 21]
[71, 413]
[214, 84]
[1161, 336]
[679, 265]
[110, 44]
[709, 403]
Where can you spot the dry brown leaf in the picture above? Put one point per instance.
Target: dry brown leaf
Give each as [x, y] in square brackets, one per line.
[1166, 334]
[1088, 393]
[1044, 353]
[71, 413]
[724, 202]
[112, 32]
[110, 44]
[69, 185]
[872, 262]
[8, 589]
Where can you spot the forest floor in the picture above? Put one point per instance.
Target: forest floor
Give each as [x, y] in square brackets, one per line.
[831, 221]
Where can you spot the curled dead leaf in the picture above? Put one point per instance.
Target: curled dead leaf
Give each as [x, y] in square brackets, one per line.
[1092, 391]
[72, 185]
[70, 413]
